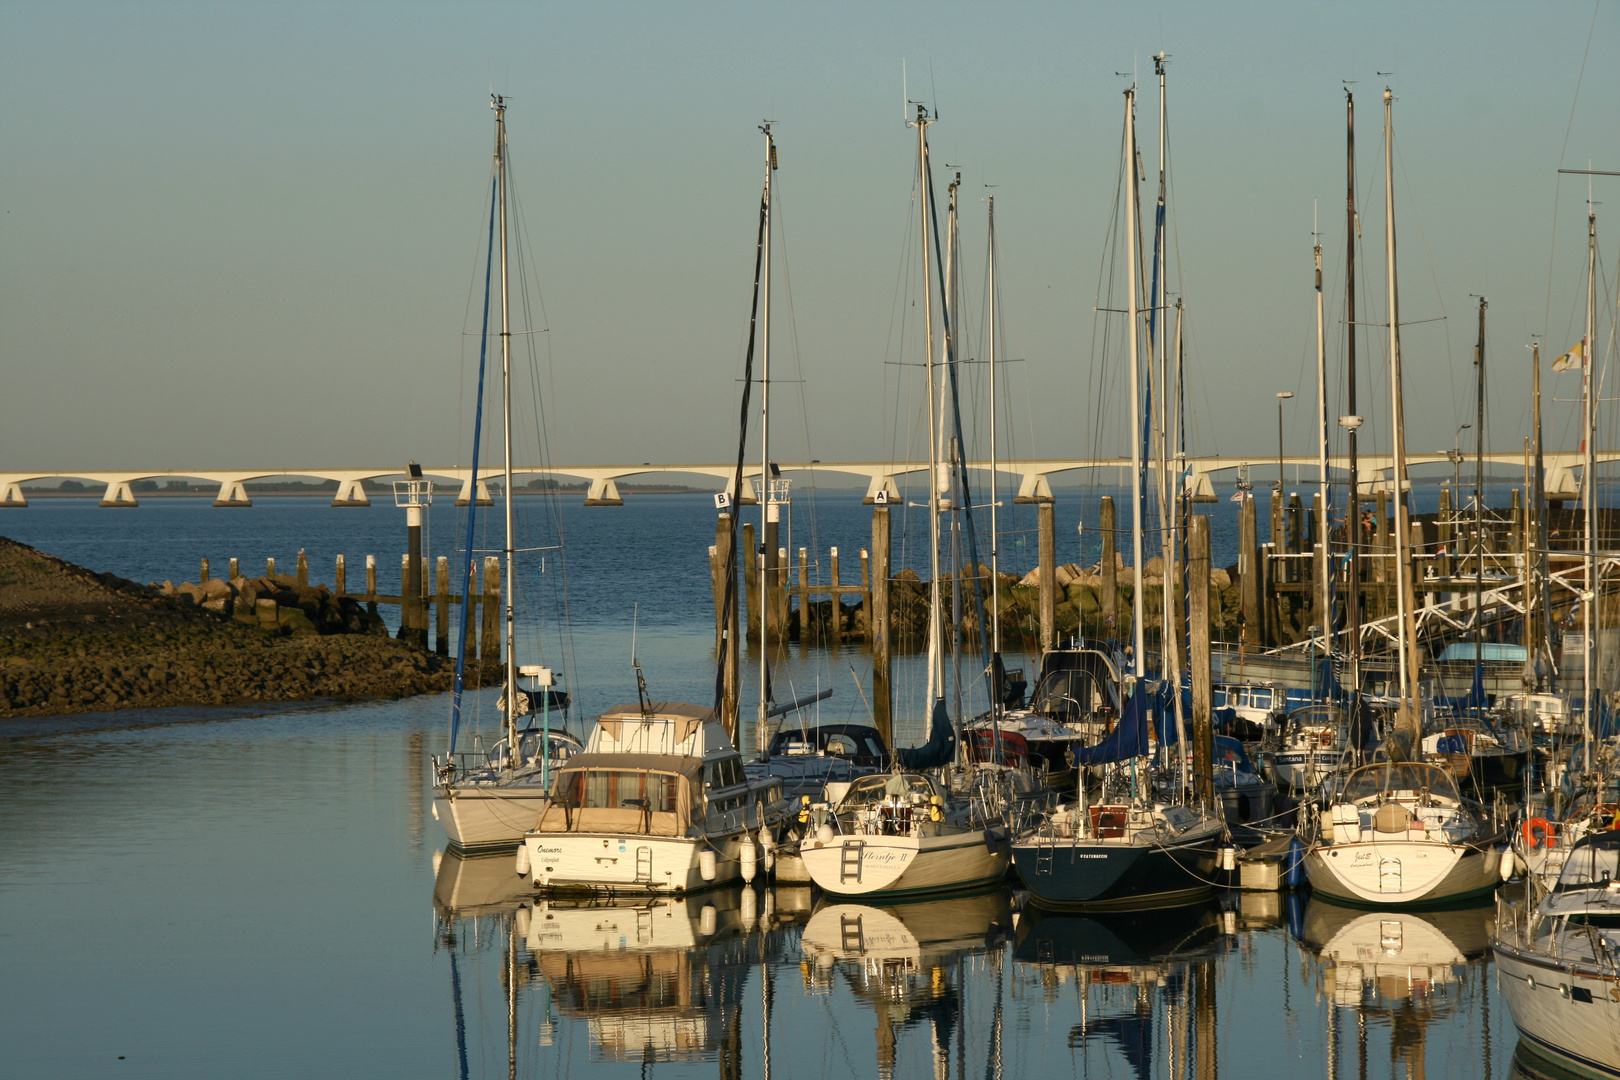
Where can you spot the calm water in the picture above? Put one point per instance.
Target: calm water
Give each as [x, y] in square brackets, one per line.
[260, 894]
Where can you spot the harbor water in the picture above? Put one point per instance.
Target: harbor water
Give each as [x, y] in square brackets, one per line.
[255, 892]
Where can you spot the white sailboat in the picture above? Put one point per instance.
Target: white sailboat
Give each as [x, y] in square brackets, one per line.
[486, 801]
[907, 833]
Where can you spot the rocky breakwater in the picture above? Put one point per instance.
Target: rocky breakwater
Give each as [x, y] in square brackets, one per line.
[72, 640]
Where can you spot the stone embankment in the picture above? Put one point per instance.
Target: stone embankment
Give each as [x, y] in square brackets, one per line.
[72, 641]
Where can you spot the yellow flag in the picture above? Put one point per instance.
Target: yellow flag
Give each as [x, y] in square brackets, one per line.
[1572, 360]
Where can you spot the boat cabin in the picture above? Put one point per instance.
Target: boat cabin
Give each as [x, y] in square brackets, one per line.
[1411, 800]
[856, 743]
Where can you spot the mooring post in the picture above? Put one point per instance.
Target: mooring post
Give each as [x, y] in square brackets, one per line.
[780, 579]
[441, 614]
[808, 631]
[835, 628]
[236, 570]
[1296, 537]
[270, 569]
[202, 573]
[371, 582]
[1109, 600]
[717, 573]
[1249, 610]
[866, 589]
[772, 627]
[340, 578]
[1046, 523]
[751, 556]
[1198, 621]
[1279, 535]
[490, 645]
[878, 621]
[469, 640]
[303, 569]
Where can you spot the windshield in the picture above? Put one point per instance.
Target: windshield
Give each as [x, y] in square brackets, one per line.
[1592, 864]
[1400, 780]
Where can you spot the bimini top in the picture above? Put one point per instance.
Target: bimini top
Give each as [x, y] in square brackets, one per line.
[668, 727]
[1401, 780]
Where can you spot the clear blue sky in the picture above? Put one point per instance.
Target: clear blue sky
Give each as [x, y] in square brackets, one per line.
[245, 233]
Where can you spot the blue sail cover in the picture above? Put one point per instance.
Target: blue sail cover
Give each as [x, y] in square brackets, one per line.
[1220, 720]
[938, 751]
[1327, 682]
[1128, 739]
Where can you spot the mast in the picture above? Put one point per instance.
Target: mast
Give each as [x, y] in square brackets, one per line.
[769, 511]
[1589, 482]
[1539, 508]
[1479, 489]
[1139, 637]
[936, 671]
[1352, 516]
[954, 449]
[995, 535]
[1409, 722]
[1325, 492]
[506, 436]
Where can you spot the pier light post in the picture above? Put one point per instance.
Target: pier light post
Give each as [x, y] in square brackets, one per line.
[1282, 396]
[415, 495]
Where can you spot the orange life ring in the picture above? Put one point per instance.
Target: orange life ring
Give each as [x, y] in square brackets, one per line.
[1539, 831]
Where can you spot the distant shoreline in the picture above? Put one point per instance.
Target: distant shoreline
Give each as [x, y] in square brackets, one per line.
[279, 492]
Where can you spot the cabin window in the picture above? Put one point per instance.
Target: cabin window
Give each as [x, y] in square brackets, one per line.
[1260, 698]
[727, 772]
[616, 789]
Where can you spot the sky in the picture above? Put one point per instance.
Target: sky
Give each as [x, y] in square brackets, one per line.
[249, 235]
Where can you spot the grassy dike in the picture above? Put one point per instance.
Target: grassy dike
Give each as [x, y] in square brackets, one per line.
[74, 641]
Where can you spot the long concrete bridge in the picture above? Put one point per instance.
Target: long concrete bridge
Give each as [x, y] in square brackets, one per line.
[1034, 476]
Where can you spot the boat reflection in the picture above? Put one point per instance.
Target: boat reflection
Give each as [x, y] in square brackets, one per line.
[1136, 973]
[906, 961]
[652, 979]
[1403, 969]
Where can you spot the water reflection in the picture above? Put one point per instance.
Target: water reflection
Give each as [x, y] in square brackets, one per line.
[1401, 971]
[904, 962]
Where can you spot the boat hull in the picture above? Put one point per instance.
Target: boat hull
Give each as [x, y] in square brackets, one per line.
[480, 818]
[1401, 872]
[1563, 1012]
[1098, 875]
[617, 863]
[893, 866]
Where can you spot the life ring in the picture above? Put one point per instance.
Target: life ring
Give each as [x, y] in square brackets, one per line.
[1539, 831]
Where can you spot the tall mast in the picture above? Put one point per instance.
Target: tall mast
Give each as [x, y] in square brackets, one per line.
[1352, 516]
[1589, 480]
[995, 535]
[1139, 637]
[953, 455]
[936, 671]
[1324, 492]
[1538, 506]
[769, 510]
[506, 406]
[1479, 487]
[1409, 722]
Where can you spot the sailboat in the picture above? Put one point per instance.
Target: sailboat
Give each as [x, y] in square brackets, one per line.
[907, 833]
[1132, 849]
[486, 801]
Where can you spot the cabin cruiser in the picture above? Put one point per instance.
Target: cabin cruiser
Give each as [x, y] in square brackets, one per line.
[1558, 959]
[1546, 716]
[805, 760]
[903, 834]
[1400, 833]
[487, 800]
[657, 802]
[1312, 744]
[1484, 756]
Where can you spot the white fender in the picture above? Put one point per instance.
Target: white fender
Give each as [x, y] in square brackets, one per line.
[750, 909]
[706, 864]
[749, 857]
[706, 921]
[767, 844]
[523, 860]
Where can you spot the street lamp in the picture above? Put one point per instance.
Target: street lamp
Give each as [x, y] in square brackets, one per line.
[1456, 467]
[1282, 396]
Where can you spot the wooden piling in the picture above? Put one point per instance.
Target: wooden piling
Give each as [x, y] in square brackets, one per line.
[866, 589]
[1294, 520]
[270, 569]
[441, 609]
[1046, 518]
[878, 620]
[808, 631]
[779, 580]
[1199, 658]
[717, 574]
[236, 570]
[489, 633]
[1279, 535]
[835, 629]
[1249, 610]
[340, 577]
[1109, 600]
[202, 573]
[770, 603]
[303, 570]
[751, 555]
[469, 639]
[371, 584]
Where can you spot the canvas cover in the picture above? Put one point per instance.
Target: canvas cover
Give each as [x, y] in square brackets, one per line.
[575, 785]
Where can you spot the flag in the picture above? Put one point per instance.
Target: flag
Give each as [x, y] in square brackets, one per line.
[1572, 360]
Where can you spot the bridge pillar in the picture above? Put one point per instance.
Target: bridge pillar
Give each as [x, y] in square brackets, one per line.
[351, 493]
[604, 492]
[885, 485]
[1199, 489]
[232, 493]
[750, 495]
[1033, 488]
[12, 495]
[118, 493]
[1561, 483]
[466, 491]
